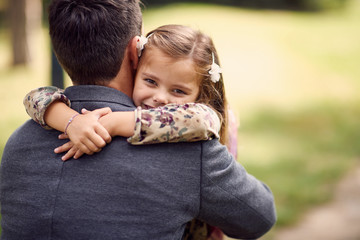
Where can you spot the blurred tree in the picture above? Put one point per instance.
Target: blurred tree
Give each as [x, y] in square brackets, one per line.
[24, 18]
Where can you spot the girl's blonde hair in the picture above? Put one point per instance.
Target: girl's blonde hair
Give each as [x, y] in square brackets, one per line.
[181, 42]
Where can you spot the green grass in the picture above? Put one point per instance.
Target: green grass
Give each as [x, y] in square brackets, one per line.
[292, 79]
[302, 154]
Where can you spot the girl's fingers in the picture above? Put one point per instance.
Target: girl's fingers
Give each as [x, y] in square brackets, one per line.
[102, 112]
[96, 140]
[65, 147]
[78, 154]
[73, 151]
[84, 111]
[104, 134]
[87, 146]
[98, 112]
[63, 136]
[69, 154]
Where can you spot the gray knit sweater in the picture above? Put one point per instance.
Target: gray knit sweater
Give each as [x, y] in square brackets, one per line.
[125, 191]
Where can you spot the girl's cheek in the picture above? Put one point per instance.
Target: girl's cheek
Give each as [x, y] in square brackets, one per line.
[177, 101]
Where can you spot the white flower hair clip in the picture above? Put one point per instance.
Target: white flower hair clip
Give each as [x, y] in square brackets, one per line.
[214, 71]
[140, 44]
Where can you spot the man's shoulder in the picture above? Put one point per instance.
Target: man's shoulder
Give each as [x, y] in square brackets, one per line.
[209, 150]
[207, 146]
[213, 145]
[215, 154]
[30, 132]
[27, 126]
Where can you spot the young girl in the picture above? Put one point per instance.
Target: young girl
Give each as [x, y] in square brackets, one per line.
[179, 66]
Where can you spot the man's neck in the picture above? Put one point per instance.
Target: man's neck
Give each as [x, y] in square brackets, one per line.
[123, 81]
[124, 88]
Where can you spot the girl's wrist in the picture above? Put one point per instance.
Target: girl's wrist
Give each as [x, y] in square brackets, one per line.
[57, 115]
[124, 124]
[70, 121]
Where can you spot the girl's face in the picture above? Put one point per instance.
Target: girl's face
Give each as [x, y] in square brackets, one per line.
[161, 80]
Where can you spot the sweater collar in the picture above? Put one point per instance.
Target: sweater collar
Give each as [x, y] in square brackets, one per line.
[97, 93]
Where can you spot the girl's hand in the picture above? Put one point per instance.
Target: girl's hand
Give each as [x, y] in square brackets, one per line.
[72, 151]
[87, 135]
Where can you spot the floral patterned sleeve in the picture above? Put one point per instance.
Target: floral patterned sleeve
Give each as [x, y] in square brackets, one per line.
[175, 123]
[38, 100]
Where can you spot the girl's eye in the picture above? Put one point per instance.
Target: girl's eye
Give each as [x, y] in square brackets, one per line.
[178, 91]
[150, 81]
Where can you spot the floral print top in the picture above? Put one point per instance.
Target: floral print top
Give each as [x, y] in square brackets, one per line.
[175, 123]
[170, 123]
[37, 101]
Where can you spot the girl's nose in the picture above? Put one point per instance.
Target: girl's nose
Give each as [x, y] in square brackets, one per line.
[160, 99]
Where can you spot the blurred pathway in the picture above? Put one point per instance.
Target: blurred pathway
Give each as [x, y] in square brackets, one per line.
[337, 220]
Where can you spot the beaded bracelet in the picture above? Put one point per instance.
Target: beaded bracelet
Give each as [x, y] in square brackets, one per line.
[69, 122]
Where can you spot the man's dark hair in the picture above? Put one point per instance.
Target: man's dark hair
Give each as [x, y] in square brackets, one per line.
[89, 37]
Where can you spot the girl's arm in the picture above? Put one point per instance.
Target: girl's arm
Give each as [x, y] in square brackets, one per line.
[175, 123]
[49, 107]
[115, 123]
[171, 123]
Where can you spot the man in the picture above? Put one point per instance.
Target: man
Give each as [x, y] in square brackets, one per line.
[125, 191]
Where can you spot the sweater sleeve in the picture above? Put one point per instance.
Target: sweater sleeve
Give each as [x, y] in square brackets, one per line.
[38, 100]
[232, 199]
[175, 123]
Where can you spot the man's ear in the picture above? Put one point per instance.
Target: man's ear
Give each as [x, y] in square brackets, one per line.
[132, 52]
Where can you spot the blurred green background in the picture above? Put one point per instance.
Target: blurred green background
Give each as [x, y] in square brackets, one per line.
[292, 78]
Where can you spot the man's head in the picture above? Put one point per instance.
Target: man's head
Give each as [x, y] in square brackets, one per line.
[90, 37]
